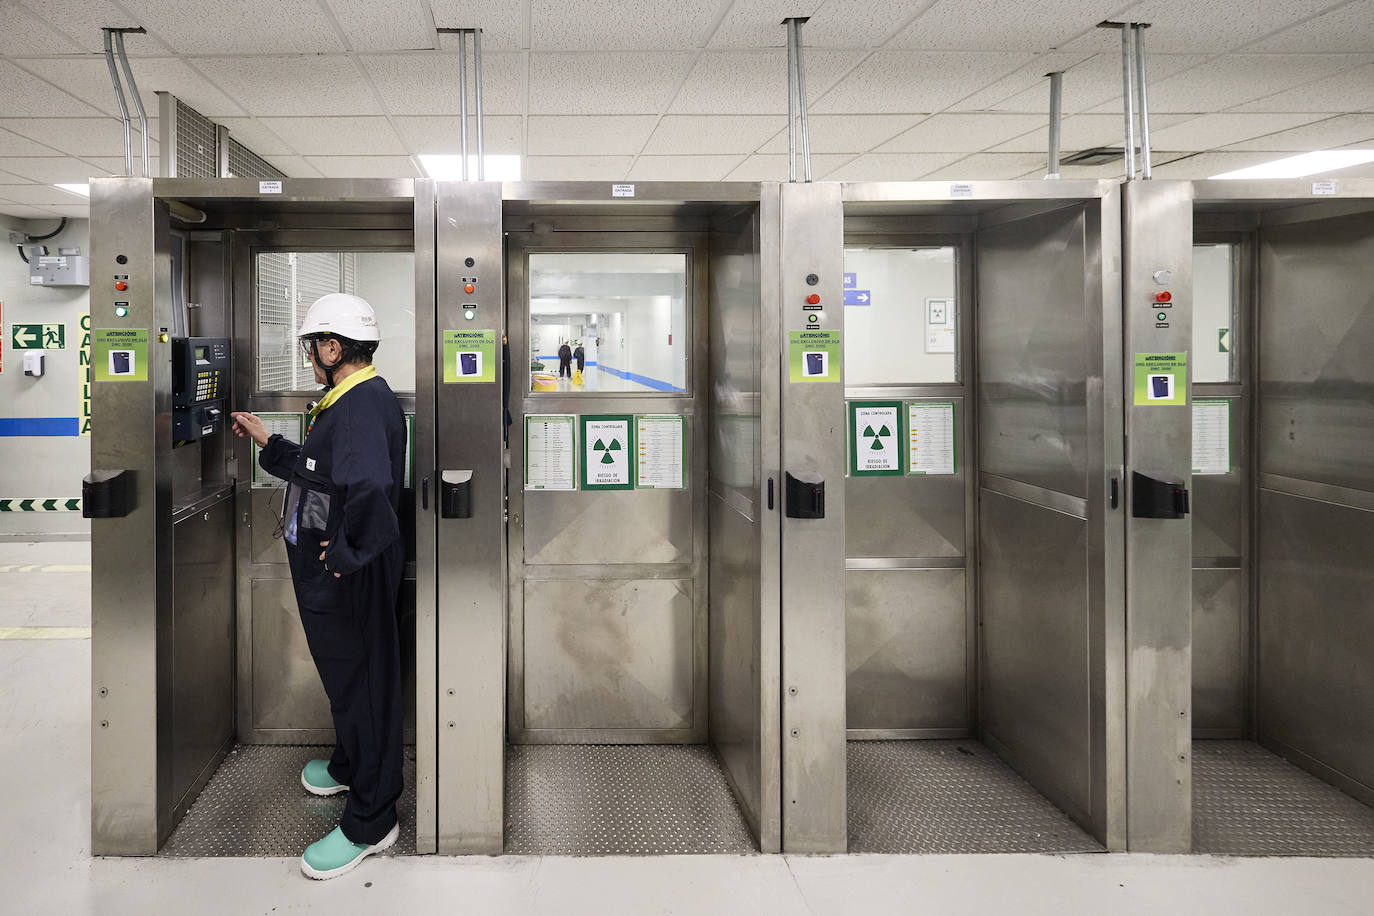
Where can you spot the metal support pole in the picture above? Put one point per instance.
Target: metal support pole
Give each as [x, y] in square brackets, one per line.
[123, 106]
[1139, 30]
[791, 99]
[1127, 99]
[1056, 116]
[133, 91]
[801, 102]
[463, 92]
[477, 84]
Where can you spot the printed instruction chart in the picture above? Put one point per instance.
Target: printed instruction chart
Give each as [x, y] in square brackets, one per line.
[1211, 437]
[930, 436]
[551, 452]
[290, 426]
[660, 452]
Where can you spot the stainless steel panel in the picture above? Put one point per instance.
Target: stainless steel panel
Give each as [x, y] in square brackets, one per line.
[608, 654]
[906, 516]
[1219, 653]
[287, 693]
[813, 417]
[1158, 237]
[202, 647]
[609, 527]
[1033, 365]
[1316, 335]
[906, 647]
[470, 555]
[1315, 634]
[265, 530]
[1035, 653]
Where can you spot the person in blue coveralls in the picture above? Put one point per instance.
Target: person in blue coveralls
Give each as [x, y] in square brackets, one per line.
[347, 556]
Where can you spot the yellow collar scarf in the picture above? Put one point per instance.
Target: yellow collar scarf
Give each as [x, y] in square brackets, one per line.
[341, 389]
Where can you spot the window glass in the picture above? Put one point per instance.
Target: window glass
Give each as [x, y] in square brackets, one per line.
[900, 316]
[608, 321]
[288, 282]
[1214, 334]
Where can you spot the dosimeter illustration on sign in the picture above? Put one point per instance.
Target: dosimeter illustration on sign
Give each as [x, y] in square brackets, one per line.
[608, 443]
[38, 336]
[875, 438]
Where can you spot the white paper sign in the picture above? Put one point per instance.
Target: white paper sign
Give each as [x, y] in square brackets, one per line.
[940, 326]
[622, 190]
[961, 190]
[660, 462]
[291, 426]
[606, 453]
[550, 452]
[1323, 187]
[930, 434]
[876, 445]
[269, 187]
[1211, 437]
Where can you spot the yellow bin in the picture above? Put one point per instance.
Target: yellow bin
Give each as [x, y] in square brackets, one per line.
[542, 382]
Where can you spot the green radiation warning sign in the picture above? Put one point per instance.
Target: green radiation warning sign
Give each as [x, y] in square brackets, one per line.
[607, 457]
[875, 438]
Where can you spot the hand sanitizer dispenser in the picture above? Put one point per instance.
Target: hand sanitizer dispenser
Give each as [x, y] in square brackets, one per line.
[33, 363]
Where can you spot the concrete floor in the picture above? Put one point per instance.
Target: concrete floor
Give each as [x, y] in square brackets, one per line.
[47, 867]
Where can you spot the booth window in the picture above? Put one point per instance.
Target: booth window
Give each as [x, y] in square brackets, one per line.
[625, 311]
[289, 281]
[1214, 314]
[901, 318]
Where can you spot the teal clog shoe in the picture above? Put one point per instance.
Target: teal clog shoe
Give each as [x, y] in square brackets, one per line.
[317, 781]
[336, 855]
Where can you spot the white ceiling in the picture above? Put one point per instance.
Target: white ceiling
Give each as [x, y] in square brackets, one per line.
[692, 89]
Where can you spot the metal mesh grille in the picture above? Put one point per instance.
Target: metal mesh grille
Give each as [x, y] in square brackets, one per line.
[949, 797]
[1249, 802]
[244, 163]
[278, 357]
[196, 151]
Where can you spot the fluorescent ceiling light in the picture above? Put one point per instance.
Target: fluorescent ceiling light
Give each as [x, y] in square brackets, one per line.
[449, 167]
[1325, 160]
[83, 190]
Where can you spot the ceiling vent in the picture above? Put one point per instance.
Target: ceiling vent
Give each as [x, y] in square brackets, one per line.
[1099, 156]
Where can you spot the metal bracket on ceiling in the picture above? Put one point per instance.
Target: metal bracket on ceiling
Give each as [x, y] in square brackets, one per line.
[463, 94]
[114, 47]
[1056, 116]
[796, 100]
[1133, 91]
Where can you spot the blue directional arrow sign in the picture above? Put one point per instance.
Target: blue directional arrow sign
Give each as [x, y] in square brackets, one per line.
[851, 281]
[857, 297]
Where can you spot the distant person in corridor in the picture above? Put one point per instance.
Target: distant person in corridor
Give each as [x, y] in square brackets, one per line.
[564, 360]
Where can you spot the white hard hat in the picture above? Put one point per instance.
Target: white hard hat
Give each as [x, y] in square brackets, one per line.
[343, 315]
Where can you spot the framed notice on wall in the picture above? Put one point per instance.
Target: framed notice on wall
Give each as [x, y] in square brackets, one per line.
[551, 452]
[290, 426]
[607, 448]
[940, 337]
[930, 437]
[876, 435]
[1211, 437]
[660, 452]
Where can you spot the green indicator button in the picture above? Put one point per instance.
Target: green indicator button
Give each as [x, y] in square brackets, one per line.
[811, 319]
[121, 311]
[1161, 317]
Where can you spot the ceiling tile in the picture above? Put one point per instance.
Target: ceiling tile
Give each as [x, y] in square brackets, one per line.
[1222, 129]
[961, 133]
[1216, 26]
[89, 80]
[426, 83]
[501, 135]
[255, 134]
[758, 23]
[1350, 91]
[774, 168]
[894, 81]
[1235, 79]
[1328, 134]
[318, 85]
[1095, 84]
[294, 166]
[338, 136]
[398, 25]
[1205, 165]
[845, 133]
[576, 168]
[364, 166]
[1346, 28]
[1029, 78]
[683, 168]
[83, 136]
[995, 25]
[25, 212]
[989, 166]
[54, 169]
[1110, 170]
[114, 165]
[627, 82]
[242, 27]
[589, 135]
[502, 22]
[700, 134]
[24, 35]
[81, 21]
[1080, 132]
[755, 82]
[892, 166]
[12, 144]
[833, 24]
[608, 25]
[27, 96]
[41, 195]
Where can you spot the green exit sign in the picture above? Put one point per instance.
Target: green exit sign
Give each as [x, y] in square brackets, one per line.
[38, 336]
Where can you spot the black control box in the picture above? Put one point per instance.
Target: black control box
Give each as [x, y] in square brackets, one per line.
[200, 386]
[805, 495]
[107, 494]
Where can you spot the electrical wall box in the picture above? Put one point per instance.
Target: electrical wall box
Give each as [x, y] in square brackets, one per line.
[60, 270]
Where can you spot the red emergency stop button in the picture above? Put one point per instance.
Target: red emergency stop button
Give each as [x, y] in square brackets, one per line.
[1164, 296]
[813, 299]
[121, 285]
[469, 289]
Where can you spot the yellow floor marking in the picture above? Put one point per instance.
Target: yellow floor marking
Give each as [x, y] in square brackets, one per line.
[45, 632]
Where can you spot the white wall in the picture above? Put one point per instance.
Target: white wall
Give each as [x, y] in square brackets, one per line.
[42, 466]
[885, 342]
[1211, 312]
[386, 279]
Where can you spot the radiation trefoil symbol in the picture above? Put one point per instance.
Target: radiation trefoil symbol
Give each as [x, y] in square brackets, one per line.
[606, 456]
[877, 437]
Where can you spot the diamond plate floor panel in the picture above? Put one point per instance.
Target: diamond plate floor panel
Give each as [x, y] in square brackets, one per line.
[590, 800]
[254, 805]
[1250, 802]
[949, 797]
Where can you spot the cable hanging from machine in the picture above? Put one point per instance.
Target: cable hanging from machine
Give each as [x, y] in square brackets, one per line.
[41, 238]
